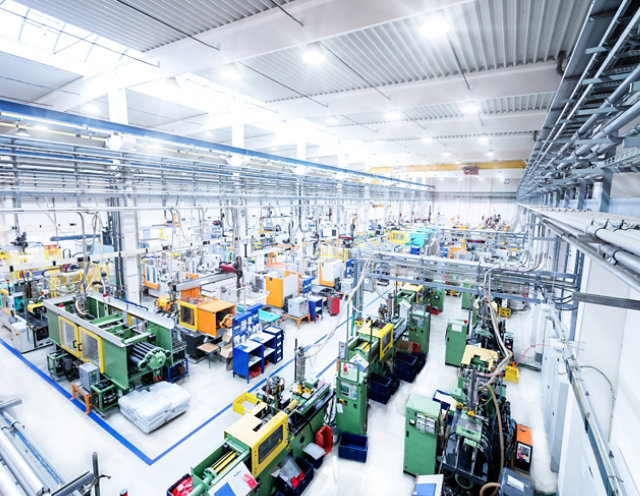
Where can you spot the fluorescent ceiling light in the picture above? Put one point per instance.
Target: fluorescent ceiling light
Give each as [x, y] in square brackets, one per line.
[446, 154]
[231, 72]
[313, 54]
[483, 139]
[40, 127]
[393, 115]
[208, 134]
[91, 108]
[300, 170]
[434, 26]
[341, 176]
[22, 132]
[332, 121]
[470, 108]
[427, 139]
[237, 160]
[491, 154]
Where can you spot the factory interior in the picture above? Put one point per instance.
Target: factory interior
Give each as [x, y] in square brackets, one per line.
[319, 247]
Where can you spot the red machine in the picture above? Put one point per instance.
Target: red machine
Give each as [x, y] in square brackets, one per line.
[333, 304]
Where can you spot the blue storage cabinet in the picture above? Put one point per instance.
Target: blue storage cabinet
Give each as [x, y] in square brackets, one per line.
[245, 356]
[315, 307]
[268, 343]
[278, 334]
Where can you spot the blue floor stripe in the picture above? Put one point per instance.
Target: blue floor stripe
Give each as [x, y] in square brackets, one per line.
[121, 439]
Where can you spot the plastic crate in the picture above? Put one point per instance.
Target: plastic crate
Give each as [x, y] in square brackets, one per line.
[170, 491]
[306, 467]
[353, 447]
[422, 359]
[380, 388]
[406, 375]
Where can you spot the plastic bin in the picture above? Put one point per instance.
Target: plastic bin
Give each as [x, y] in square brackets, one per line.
[353, 447]
[380, 388]
[314, 454]
[324, 438]
[175, 489]
[305, 467]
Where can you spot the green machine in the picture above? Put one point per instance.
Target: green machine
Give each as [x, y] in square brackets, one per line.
[468, 299]
[275, 424]
[422, 425]
[412, 305]
[372, 347]
[457, 333]
[129, 345]
[352, 396]
[437, 300]
[420, 326]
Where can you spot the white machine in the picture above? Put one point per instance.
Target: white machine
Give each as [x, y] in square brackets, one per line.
[298, 306]
[329, 272]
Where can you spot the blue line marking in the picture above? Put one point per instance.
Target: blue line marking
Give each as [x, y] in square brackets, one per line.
[126, 443]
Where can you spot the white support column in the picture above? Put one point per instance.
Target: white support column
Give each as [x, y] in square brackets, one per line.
[117, 98]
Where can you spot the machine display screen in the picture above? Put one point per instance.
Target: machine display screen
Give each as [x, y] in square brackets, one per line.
[270, 444]
[186, 315]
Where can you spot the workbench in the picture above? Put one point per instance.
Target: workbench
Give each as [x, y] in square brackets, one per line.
[298, 319]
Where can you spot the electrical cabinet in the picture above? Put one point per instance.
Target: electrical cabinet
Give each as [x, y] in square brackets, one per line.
[457, 333]
[352, 398]
[422, 423]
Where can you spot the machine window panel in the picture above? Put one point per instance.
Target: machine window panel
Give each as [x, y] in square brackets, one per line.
[270, 444]
[187, 315]
[90, 349]
[67, 334]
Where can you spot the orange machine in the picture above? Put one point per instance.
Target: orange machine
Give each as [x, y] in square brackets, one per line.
[205, 315]
[524, 448]
[280, 288]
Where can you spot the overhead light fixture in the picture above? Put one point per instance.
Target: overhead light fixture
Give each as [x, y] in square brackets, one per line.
[341, 176]
[446, 154]
[40, 127]
[434, 26]
[393, 115]
[491, 154]
[313, 54]
[235, 160]
[208, 134]
[300, 170]
[470, 108]
[231, 72]
[91, 108]
[483, 139]
[331, 121]
[427, 139]
[22, 132]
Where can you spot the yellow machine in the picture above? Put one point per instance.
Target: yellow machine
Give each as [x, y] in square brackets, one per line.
[266, 440]
[399, 237]
[384, 335]
[205, 315]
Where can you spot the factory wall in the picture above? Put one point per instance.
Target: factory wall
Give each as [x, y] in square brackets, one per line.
[607, 340]
[455, 200]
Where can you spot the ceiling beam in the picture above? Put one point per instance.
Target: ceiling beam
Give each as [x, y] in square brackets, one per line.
[510, 81]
